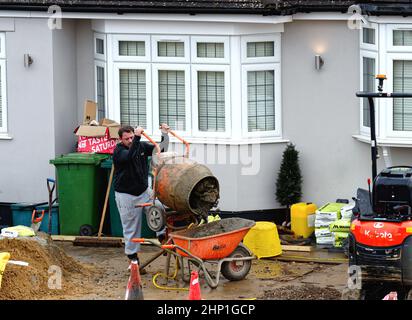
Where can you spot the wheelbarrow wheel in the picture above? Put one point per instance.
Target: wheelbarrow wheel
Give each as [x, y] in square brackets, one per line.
[237, 270]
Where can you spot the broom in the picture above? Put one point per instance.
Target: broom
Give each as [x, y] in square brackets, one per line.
[100, 241]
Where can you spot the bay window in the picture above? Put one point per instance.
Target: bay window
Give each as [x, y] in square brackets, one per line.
[185, 81]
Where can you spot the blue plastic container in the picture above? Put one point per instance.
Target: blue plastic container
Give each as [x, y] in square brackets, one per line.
[22, 213]
[55, 228]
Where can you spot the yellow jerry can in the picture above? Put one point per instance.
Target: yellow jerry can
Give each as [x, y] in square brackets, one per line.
[302, 217]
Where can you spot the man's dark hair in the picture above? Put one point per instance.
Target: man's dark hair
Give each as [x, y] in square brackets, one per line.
[124, 129]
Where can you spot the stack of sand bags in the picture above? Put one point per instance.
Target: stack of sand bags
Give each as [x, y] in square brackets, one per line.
[325, 216]
[341, 228]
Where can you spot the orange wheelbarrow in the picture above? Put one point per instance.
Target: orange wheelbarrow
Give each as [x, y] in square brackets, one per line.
[217, 243]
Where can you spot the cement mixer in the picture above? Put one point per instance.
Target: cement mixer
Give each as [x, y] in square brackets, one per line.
[186, 190]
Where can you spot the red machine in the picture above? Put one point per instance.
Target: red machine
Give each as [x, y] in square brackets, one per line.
[380, 242]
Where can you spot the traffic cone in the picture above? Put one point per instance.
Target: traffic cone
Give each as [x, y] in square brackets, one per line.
[194, 290]
[134, 289]
[391, 296]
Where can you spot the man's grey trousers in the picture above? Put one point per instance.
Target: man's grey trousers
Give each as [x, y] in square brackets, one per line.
[131, 217]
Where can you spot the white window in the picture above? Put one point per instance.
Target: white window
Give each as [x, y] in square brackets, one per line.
[3, 90]
[100, 89]
[210, 50]
[399, 38]
[185, 81]
[99, 46]
[261, 100]
[402, 108]
[369, 70]
[170, 49]
[369, 37]
[131, 48]
[171, 96]
[398, 112]
[261, 49]
[211, 100]
[133, 94]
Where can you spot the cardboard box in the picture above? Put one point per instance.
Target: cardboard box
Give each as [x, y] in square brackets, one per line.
[90, 111]
[100, 138]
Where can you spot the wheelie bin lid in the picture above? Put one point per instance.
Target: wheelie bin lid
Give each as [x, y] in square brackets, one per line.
[79, 158]
[23, 206]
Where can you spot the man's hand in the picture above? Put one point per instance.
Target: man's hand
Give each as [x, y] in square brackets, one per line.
[138, 131]
[164, 127]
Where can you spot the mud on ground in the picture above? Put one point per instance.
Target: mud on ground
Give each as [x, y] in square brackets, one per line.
[101, 273]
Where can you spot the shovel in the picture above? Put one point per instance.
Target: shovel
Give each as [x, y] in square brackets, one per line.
[36, 221]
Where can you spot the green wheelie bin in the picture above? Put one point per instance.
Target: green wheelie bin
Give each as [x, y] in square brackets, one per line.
[115, 222]
[81, 189]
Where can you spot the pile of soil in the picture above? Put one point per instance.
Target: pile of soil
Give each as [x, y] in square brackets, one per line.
[32, 282]
[304, 292]
[217, 227]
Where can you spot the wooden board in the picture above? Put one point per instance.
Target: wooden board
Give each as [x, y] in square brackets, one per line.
[297, 248]
[71, 238]
[312, 259]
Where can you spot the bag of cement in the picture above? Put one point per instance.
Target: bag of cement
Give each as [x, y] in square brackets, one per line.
[19, 231]
[339, 243]
[323, 223]
[342, 225]
[325, 240]
[340, 235]
[330, 211]
[323, 232]
[347, 211]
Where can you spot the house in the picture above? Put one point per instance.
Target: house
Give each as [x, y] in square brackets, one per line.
[237, 78]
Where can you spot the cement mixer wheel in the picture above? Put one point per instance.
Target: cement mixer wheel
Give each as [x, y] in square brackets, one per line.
[155, 218]
[237, 270]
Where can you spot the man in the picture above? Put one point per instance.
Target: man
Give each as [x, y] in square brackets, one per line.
[130, 159]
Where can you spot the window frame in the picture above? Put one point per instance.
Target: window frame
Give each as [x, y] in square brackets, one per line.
[170, 38]
[391, 133]
[128, 37]
[363, 129]
[368, 46]
[100, 56]
[156, 67]
[276, 38]
[195, 103]
[389, 38]
[117, 66]
[4, 126]
[101, 64]
[278, 100]
[194, 40]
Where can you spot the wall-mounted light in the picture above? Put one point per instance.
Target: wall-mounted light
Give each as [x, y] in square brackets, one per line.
[319, 62]
[28, 60]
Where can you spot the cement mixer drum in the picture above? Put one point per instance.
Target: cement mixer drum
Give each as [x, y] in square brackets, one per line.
[185, 185]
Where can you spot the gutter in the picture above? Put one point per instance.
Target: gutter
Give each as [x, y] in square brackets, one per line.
[122, 10]
[387, 9]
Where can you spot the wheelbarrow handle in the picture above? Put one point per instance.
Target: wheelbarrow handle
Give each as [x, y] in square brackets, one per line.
[168, 246]
[33, 216]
